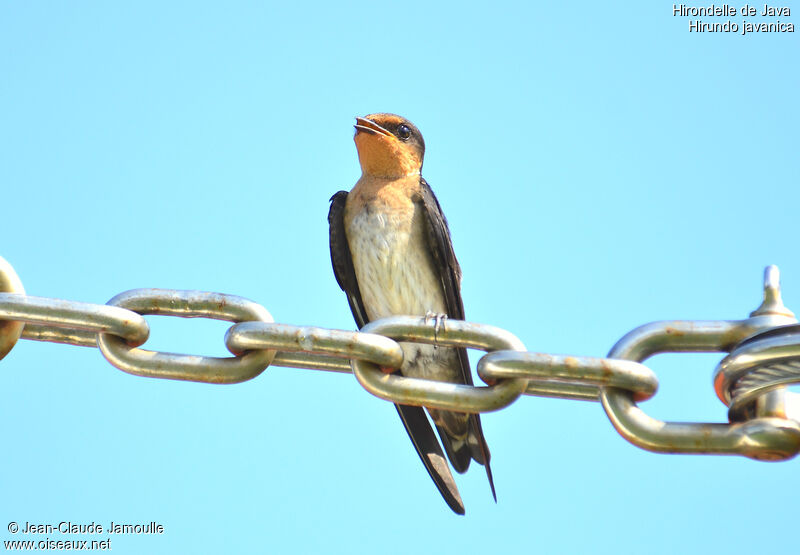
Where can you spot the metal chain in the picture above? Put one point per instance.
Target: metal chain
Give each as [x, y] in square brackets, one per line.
[764, 358]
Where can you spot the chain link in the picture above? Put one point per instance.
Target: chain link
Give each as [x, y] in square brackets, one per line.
[569, 377]
[760, 438]
[10, 330]
[441, 395]
[764, 358]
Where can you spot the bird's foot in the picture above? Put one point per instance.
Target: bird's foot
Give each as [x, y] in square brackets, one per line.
[439, 323]
[388, 370]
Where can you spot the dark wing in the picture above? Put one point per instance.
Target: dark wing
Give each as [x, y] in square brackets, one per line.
[441, 247]
[414, 419]
[444, 257]
[342, 261]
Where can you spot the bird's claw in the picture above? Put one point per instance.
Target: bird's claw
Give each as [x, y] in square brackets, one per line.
[439, 323]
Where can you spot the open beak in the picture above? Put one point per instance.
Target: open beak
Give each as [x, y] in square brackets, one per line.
[368, 126]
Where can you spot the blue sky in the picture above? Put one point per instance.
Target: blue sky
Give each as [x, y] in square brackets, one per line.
[600, 167]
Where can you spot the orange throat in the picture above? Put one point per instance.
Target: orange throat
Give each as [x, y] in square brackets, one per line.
[383, 156]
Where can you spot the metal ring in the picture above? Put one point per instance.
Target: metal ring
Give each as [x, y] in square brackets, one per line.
[317, 345]
[761, 438]
[441, 395]
[72, 322]
[186, 304]
[569, 377]
[10, 331]
[761, 363]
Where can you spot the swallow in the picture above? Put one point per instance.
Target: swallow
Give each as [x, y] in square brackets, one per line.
[392, 255]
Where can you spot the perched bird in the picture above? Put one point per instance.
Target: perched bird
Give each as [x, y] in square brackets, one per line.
[392, 254]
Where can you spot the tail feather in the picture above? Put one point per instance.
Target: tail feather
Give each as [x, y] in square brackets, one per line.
[462, 450]
[480, 450]
[429, 451]
[458, 451]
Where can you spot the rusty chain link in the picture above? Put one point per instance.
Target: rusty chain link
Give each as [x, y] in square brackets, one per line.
[752, 380]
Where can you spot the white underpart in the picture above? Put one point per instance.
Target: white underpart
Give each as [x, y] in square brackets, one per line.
[396, 277]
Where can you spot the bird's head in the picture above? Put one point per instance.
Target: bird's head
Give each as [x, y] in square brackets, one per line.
[388, 146]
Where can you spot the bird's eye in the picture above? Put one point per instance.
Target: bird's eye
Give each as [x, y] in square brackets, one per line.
[404, 132]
